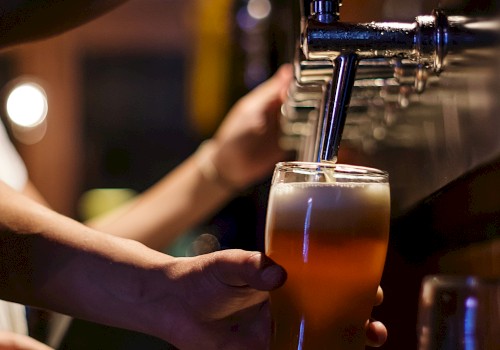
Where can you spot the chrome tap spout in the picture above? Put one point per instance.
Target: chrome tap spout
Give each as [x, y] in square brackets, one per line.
[333, 57]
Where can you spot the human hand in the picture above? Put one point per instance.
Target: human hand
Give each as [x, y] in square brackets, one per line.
[14, 341]
[376, 333]
[222, 302]
[246, 145]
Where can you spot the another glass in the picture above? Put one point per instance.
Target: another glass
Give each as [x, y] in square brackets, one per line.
[328, 225]
[459, 313]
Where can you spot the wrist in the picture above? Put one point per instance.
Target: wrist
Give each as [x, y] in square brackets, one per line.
[205, 158]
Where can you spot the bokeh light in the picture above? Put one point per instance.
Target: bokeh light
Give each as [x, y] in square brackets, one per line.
[259, 9]
[27, 104]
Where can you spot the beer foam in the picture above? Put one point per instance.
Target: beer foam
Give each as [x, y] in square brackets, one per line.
[329, 191]
[337, 201]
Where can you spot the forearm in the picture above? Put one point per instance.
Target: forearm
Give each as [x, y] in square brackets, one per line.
[16, 341]
[243, 151]
[181, 200]
[27, 20]
[53, 262]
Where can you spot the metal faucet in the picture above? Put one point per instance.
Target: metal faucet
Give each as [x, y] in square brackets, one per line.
[332, 56]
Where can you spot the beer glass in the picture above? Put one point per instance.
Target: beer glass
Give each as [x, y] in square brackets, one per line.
[459, 313]
[328, 226]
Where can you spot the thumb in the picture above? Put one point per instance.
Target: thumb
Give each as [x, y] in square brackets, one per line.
[275, 88]
[239, 268]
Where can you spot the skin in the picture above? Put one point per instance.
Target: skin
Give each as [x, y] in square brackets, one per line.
[221, 297]
[244, 150]
[100, 271]
[12, 341]
[120, 282]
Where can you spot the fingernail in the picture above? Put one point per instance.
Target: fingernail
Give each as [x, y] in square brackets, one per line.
[274, 276]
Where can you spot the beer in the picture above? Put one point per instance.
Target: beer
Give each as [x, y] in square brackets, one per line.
[331, 237]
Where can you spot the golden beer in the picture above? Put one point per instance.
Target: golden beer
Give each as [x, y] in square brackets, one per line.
[330, 232]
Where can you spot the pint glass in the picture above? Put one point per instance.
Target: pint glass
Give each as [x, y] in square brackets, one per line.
[328, 226]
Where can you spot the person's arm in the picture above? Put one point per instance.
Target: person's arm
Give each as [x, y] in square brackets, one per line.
[15, 341]
[27, 20]
[214, 301]
[243, 150]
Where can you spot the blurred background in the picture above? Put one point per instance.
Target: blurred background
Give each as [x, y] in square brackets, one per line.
[124, 99]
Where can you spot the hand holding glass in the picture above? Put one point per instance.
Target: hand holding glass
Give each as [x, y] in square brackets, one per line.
[328, 225]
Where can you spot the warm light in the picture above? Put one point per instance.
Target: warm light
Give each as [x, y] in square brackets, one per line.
[27, 105]
[259, 9]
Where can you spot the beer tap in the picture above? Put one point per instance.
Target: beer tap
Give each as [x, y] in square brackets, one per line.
[337, 90]
[333, 56]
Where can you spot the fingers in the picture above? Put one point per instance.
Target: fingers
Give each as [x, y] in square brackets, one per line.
[379, 298]
[253, 269]
[281, 78]
[238, 268]
[376, 334]
[275, 88]
[285, 74]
